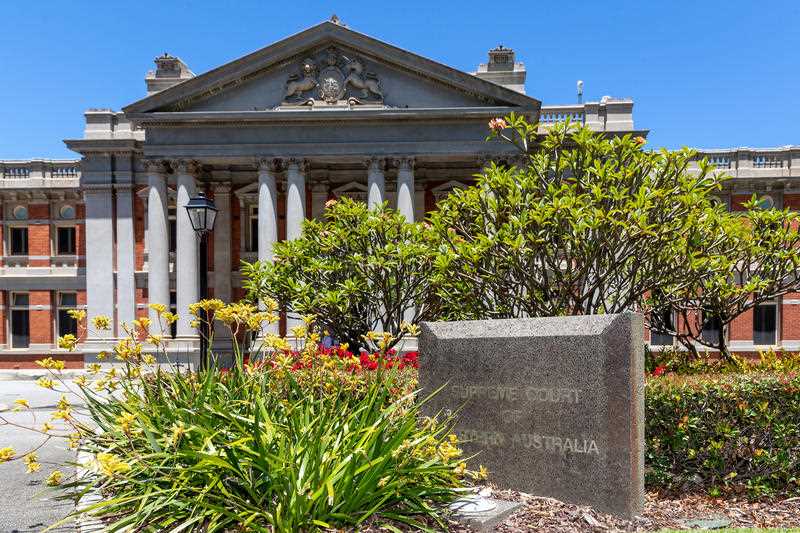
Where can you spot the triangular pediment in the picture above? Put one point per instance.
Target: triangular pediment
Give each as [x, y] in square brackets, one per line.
[330, 66]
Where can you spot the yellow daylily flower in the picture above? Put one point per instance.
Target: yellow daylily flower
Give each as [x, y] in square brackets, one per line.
[47, 383]
[160, 309]
[6, 454]
[55, 478]
[110, 465]
[102, 322]
[77, 314]
[21, 403]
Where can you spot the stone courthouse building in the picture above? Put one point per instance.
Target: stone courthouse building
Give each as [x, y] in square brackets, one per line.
[325, 113]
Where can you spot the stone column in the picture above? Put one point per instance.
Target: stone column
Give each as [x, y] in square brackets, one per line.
[406, 199]
[405, 187]
[376, 184]
[295, 209]
[222, 242]
[186, 249]
[268, 215]
[157, 238]
[268, 208]
[295, 197]
[126, 253]
[99, 251]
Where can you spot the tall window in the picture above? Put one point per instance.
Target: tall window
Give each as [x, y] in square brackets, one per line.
[765, 319]
[20, 320]
[18, 241]
[67, 301]
[711, 329]
[254, 229]
[65, 240]
[664, 319]
[173, 229]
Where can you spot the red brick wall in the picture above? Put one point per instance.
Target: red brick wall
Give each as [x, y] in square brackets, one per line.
[792, 201]
[42, 323]
[236, 228]
[738, 201]
[19, 361]
[790, 318]
[39, 235]
[741, 328]
[80, 234]
[139, 215]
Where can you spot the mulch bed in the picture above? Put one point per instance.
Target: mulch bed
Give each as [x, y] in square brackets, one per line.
[547, 514]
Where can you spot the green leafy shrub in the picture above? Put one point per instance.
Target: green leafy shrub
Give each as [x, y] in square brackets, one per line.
[302, 438]
[683, 362]
[737, 433]
[224, 451]
[357, 270]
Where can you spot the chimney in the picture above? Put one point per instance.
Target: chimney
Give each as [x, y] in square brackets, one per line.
[170, 70]
[502, 70]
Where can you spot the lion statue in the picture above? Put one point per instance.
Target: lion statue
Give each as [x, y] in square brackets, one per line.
[295, 86]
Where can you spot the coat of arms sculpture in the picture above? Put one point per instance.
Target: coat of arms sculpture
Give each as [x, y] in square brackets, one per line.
[342, 80]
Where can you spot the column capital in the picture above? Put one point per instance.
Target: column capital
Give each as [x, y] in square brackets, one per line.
[186, 166]
[154, 166]
[302, 164]
[269, 164]
[375, 163]
[404, 162]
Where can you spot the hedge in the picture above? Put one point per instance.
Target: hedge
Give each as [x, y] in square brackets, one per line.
[725, 434]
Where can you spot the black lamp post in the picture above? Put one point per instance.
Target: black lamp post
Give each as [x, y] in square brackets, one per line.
[202, 214]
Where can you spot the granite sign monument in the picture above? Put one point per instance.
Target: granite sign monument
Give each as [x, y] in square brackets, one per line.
[552, 406]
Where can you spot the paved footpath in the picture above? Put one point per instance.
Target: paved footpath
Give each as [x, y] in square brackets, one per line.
[26, 503]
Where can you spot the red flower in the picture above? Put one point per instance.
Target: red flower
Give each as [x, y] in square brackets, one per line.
[659, 370]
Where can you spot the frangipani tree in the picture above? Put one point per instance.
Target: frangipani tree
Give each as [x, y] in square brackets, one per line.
[751, 258]
[356, 270]
[587, 224]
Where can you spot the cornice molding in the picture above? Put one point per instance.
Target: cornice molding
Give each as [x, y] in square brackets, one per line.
[239, 118]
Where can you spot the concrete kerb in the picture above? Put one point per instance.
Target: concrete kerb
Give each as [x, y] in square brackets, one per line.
[83, 523]
[33, 374]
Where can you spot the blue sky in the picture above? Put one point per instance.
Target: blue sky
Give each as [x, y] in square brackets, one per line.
[702, 73]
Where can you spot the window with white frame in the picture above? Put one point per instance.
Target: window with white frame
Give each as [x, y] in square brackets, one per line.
[65, 233]
[20, 320]
[765, 324]
[18, 240]
[65, 240]
[66, 325]
[664, 319]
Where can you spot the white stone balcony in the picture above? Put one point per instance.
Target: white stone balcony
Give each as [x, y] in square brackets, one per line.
[609, 114]
[755, 163]
[39, 173]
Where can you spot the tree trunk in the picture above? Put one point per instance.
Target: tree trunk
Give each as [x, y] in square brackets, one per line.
[722, 345]
[689, 345]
